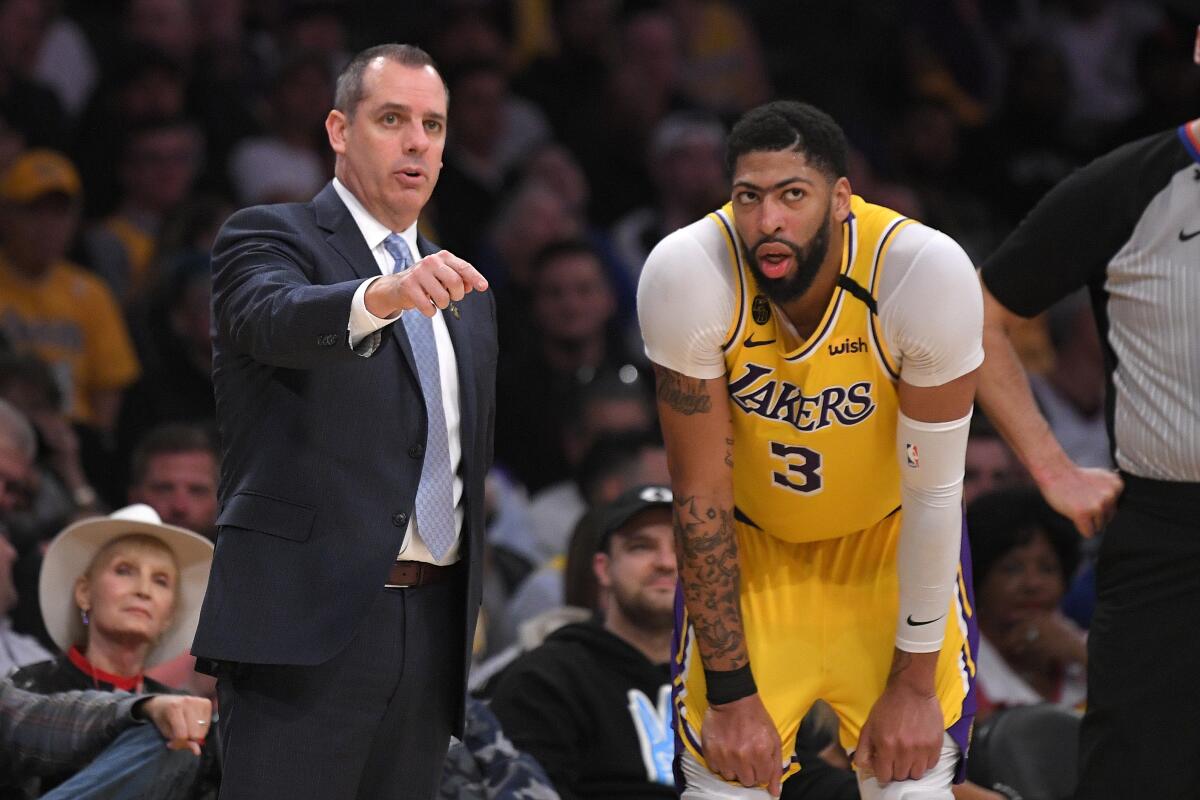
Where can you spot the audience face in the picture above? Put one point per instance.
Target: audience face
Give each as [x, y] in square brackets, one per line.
[8, 588]
[1023, 583]
[555, 167]
[15, 475]
[990, 465]
[129, 591]
[691, 175]
[390, 150]
[479, 100]
[159, 168]
[182, 488]
[165, 24]
[572, 300]
[302, 98]
[153, 93]
[37, 234]
[22, 23]
[639, 571]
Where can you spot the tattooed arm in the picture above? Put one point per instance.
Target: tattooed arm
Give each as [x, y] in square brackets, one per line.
[738, 738]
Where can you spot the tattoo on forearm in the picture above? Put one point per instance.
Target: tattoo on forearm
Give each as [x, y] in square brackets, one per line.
[708, 563]
[729, 452]
[681, 393]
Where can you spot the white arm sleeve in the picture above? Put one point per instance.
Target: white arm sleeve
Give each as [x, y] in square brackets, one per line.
[931, 458]
[931, 307]
[685, 302]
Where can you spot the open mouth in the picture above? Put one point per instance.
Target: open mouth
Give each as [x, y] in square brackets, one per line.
[411, 175]
[774, 260]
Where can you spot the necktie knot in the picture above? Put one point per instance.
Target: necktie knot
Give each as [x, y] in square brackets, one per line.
[398, 249]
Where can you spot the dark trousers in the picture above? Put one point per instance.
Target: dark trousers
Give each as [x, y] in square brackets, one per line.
[373, 723]
[1141, 733]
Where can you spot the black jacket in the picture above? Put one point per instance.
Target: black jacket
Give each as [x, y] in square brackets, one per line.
[594, 712]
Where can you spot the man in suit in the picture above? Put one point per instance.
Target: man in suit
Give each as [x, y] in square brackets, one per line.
[355, 398]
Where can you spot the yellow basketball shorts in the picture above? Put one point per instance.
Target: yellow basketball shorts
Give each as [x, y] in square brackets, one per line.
[820, 623]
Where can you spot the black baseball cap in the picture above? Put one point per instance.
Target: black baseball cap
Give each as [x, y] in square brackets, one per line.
[630, 503]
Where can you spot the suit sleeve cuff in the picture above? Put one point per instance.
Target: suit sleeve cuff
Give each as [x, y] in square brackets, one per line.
[362, 322]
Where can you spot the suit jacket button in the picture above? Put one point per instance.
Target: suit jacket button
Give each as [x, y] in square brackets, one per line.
[416, 451]
[399, 519]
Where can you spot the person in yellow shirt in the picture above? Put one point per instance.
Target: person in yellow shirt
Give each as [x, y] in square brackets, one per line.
[50, 306]
[815, 357]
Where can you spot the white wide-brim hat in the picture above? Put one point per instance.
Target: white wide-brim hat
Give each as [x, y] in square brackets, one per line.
[71, 552]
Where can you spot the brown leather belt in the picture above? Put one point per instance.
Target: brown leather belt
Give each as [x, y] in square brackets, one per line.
[419, 573]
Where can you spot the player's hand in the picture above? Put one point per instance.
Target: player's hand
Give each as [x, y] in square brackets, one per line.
[902, 737]
[1085, 495]
[182, 720]
[741, 744]
[430, 284]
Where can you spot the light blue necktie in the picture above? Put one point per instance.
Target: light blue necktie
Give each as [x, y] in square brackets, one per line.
[435, 495]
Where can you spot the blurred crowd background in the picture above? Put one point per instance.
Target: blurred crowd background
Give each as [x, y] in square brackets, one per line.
[580, 133]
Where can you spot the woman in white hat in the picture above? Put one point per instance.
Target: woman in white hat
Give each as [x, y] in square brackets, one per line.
[119, 595]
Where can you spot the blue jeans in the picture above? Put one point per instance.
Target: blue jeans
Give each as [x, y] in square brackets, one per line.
[136, 766]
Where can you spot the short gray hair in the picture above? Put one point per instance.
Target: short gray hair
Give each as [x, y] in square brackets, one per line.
[349, 92]
[16, 432]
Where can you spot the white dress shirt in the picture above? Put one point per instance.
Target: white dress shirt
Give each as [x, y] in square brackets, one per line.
[363, 323]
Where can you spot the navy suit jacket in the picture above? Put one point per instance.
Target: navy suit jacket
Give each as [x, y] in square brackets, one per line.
[322, 446]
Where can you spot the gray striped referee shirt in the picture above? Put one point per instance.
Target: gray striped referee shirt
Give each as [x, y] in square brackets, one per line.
[1127, 227]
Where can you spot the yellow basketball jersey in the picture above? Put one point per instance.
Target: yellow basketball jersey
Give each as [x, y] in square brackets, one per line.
[815, 421]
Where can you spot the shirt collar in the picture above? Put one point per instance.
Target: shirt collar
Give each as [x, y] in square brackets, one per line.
[372, 229]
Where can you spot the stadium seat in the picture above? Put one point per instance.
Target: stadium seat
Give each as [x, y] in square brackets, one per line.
[1031, 752]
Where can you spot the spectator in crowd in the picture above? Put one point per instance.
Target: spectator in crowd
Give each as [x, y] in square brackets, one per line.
[119, 594]
[724, 68]
[1071, 395]
[174, 471]
[531, 218]
[66, 62]
[487, 141]
[606, 407]
[1100, 39]
[573, 76]
[593, 703]
[61, 485]
[484, 765]
[17, 448]
[289, 162]
[29, 105]
[687, 167]
[99, 737]
[573, 344]
[614, 463]
[1025, 149]
[176, 350]
[990, 463]
[141, 83]
[52, 307]
[1024, 553]
[156, 170]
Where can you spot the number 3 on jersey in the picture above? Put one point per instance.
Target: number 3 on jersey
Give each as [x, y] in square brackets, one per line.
[803, 473]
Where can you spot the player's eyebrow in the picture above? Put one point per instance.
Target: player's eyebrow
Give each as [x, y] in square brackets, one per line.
[745, 184]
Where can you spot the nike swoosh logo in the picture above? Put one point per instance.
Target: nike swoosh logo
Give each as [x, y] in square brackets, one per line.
[1183, 237]
[751, 343]
[916, 624]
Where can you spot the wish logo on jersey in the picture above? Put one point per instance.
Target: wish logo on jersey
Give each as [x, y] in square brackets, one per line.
[784, 402]
[655, 733]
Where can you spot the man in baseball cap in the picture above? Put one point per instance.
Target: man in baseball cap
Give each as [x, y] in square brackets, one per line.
[51, 307]
[593, 703]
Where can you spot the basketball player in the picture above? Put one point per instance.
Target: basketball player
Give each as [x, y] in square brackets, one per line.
[815, 358]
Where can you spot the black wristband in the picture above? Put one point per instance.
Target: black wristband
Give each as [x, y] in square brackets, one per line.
[727, 685]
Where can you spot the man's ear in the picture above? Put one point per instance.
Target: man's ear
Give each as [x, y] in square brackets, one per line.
[335, 127]
[600, 565]
[840, 200]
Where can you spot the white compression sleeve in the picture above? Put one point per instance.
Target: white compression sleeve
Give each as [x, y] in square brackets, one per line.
[931, 458]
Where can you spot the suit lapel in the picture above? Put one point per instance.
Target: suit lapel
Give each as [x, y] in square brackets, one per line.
[344, 236]
[460, 337]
